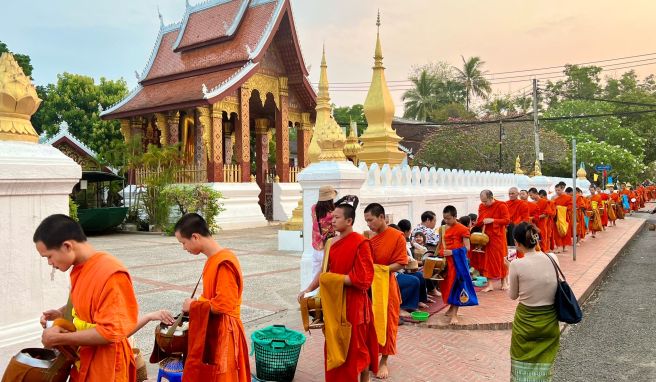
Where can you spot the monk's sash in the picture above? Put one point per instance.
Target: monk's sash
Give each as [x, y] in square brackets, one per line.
[380, 301]
[561, 220]
[337, 329]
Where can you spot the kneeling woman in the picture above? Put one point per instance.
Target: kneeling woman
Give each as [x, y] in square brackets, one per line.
[535, 332]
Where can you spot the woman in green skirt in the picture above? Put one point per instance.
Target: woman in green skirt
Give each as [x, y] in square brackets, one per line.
[535, 331]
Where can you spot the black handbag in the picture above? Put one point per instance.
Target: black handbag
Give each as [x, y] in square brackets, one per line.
[567, 307]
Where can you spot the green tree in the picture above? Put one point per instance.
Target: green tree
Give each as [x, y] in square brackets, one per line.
[23, 60]
[76, 99]
[345, 114]
[453, 111]
[477, 148]
[580, 82]
[472, 77]
[500, 106]
[420, 101]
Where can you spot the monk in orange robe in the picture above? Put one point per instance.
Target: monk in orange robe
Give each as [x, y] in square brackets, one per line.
[581, 208]
[532, 207]
[542, 206]
[217, 350]
[350, 255]
[518, 210]
[563, 200]
[455, 236]
[388, 248]
[603, 209]
[105, 309]
[595, 198]
[615, 203]
[494, 217]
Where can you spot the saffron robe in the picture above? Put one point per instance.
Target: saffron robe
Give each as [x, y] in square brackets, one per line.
[551, 226]
[497, 248]
[102, 295]
[564, 200]
[532, 212]
[599, 201]
[351, 255]
[581, 207]
[389, 247]
[217, 349]
[453, 239]
[603, 209]
[543, 223]
[518, 210]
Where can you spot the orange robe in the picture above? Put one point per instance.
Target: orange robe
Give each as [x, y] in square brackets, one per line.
[542, 207]
[565, 201]
[218, 350]
[551, 226]
[532, 212]
[351, 255]
[389, 247]
[581, 207]
[497, 248]
[605, 203]
[600, 204]
[102, 294]
[453, 239]
[518, 210]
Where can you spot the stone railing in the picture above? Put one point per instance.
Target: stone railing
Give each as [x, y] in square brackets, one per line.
[190, 174]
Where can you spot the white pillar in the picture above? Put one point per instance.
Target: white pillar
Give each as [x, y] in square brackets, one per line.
[35, 182]
[346, 179]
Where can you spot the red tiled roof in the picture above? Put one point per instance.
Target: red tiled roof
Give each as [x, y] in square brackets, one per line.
[188, 91]
[209, 24]
[174, 79]
[167, 62]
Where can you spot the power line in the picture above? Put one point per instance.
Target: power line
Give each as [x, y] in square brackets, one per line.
[533, 70]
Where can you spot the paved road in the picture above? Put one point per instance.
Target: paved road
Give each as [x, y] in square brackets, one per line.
[617, 339]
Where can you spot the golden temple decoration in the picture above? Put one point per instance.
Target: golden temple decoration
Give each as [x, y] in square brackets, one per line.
[380, 141]
[581, 174]
[518, 166]
[163, 127]
[265, 84]
[536, 169]
[229, 105]
[18, 101]
[206, 125]
[295, 222]
[330, 136]
[353, 147]
[126, 130]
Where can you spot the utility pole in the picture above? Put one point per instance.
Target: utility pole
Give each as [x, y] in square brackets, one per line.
[535, 119]
[574, 207]
[500, 143]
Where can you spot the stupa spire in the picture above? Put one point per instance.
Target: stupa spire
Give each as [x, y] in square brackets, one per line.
[380, 142]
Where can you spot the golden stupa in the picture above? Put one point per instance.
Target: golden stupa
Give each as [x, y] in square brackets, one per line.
[330, 136]
[353, 146]
[18, 101]
[380, 144]
[581, 174]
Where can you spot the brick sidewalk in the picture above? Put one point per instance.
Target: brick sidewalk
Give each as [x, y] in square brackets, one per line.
[433, 352]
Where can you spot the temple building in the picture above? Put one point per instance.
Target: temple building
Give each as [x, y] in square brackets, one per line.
[224, 82]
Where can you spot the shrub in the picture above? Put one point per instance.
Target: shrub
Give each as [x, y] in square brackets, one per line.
[198, 198]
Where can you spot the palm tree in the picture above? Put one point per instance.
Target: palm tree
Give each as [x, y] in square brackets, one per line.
[420, 101]
[471, 76]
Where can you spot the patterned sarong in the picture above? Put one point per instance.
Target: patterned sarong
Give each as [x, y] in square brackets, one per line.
[534, 343]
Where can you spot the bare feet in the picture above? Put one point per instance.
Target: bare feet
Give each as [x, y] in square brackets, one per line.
[429, 300]
[404, 313]
[422, 306]
[383, 370]
[505, 286]
[449, 312]
[488, 289]
[435, 293]
[454, 320]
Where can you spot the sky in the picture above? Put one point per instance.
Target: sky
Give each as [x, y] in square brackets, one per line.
[113, 39]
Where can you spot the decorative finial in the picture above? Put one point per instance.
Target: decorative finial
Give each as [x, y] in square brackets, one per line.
[19, 102]
[161, 19]
[378, 19]
[136, 74]
[518, 166]
[204, 89]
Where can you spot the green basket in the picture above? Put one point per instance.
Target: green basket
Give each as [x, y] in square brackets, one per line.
[276, 351]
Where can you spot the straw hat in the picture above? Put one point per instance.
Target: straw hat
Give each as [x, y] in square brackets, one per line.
[327, 193]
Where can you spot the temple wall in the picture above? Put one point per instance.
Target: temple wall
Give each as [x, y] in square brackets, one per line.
[285, 199]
